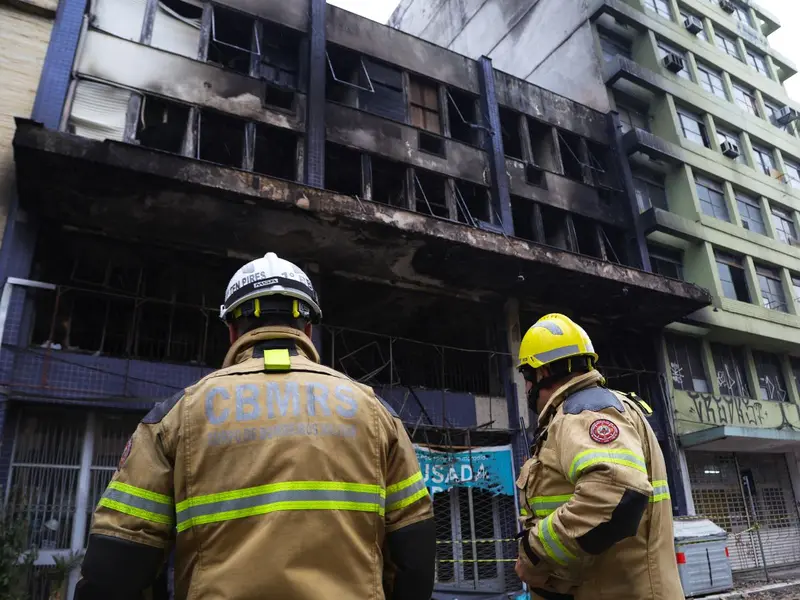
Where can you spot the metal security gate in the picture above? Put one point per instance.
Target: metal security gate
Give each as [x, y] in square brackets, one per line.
[751, 497]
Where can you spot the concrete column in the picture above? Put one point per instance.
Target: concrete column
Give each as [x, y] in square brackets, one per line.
[728, 84]
[792, 459]
[752, 374]
[772, 69]
[766, 211]
[687, 486]
[692, 66]
[762, 108]
[315, 101]
[747, 149]
[752, 281]
[781, 166]
[711, 132]
[730, 201]
[710, 368]
[517, 400]
[788, 376]
[788, 291]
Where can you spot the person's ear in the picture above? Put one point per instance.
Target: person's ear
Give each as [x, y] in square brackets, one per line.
[308, 329]
[233, 335]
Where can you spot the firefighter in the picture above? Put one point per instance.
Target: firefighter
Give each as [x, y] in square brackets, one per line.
[273, 477]
[597, 515]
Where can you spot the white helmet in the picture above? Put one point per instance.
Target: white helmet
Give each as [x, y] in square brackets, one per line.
[265, 277]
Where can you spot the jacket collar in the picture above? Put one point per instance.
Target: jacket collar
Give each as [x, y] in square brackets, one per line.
[591, 379]
[242, 348]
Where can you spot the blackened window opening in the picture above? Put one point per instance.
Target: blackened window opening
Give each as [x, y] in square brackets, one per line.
[555, 227]
[512, 142]
[616, 245]
[541, 136]
[275, 152]
[570, 148]
[232, 40]
[388, 182]
[222, 139]
[432, 144]
[342, 170]
[280, 51]
[522, 212]
[183, 9]
[472, 203]
[601, 165]
[587, 234]
[431, 194]
[461, 114]
[162, 124]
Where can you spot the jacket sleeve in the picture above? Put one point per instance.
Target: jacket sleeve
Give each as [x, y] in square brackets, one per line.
[601, 453]
[133, 524]
[410, 529]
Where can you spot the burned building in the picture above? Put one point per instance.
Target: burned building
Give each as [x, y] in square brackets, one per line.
[439, 205]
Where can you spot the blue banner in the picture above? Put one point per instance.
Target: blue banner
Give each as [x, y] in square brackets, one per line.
[488, 468]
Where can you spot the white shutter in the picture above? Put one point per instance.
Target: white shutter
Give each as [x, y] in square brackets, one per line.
[174, 33]
[99, 110]
[123, 18]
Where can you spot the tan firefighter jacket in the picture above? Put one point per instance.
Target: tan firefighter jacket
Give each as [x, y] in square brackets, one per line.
[274, 477]
[596, 502]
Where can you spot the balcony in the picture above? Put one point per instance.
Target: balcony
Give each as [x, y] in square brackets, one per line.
[640, 141]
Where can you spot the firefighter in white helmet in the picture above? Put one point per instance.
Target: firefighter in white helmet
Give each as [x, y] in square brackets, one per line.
[272, 477]
[597, 513]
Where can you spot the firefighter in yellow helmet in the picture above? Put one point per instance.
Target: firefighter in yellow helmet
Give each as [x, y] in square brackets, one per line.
[597, 514]
[273, 477]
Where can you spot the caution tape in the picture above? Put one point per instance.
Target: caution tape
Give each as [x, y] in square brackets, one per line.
[486, 541]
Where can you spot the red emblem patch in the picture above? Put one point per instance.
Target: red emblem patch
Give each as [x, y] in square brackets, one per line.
[125, 453]
[603, 431]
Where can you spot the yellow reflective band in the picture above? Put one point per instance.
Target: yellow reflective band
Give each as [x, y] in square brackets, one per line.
[279, 506]
[552, 544]
[139, 492]
[660, 497]
[401, 485]
[277, 360]
[135, 512]
[288, 486]
[591, 457]
[419, 495]
[545, 505]
[257, 310]
[660, 491]
[523, 512]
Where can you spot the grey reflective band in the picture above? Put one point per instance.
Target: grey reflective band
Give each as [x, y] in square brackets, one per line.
[150, 506]
[296, 499]
[557, 353]
[550, 326]
[395, 500]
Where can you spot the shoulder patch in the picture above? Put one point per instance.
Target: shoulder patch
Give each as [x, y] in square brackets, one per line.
[160, 410]
[593, 399]
[603, 431]
[388, 407]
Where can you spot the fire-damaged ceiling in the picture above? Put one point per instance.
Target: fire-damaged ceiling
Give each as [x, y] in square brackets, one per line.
[128, 191]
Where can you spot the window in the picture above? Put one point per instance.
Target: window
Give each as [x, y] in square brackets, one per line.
[757, 61]
[702, 34]
[693, 127]
[750, 212]
[764, 160]
[725, 135]
[386, 97]
[712, 198]
[666, 261]
[424, 105]
[686, 363]
[731, 373]
[660, 7]
[233, 40]
[614, 45]
[664, 49]
[631, 114]
[732, 277]
[796, 287]
[792, 172]
[741, 13]
[727, 45]
[795, 370]
[784, 226]
[771, 384]
[769, 280]
[650, 192]
[711, 81]
[745, 98]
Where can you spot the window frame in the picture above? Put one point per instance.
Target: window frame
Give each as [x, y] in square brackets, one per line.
[667, 256]
[422, 86]
[759, 153]
[745, 98]
[706, 74]
[752, 206]
[758, 61]
[712, 186]
[792, 172]
[731, 261]
[702, 133]
[687, 346]
[772, 361]
[774, 296]
[657, 6]
[726, 42]
[784, 225]
[738, 360]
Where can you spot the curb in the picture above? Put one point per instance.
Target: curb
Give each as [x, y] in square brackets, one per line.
[758, 590]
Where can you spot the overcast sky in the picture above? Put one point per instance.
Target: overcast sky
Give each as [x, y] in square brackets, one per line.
[786, 40]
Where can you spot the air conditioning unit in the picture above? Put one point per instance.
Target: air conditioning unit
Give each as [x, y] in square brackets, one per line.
[693, 24]
[785, 116]
[729, 149]
[727, 6]
[673, 62]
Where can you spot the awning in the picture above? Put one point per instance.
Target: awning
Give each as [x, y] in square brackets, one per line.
[742, 439]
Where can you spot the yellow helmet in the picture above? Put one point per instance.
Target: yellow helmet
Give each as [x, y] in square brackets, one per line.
[553, 337]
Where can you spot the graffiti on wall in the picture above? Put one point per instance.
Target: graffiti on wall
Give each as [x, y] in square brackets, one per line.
[708, 410]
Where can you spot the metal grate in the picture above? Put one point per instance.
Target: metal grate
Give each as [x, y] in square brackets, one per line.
[751, 497]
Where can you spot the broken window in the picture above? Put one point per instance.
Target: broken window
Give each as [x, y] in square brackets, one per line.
[666, 261]
[388, 182]
[221, 139]
[555, 227]
[600, 165]
[280, 49]
[587, 236]
[176, 27]
[650, 190]
[462, 117]
[615, 243]
[732, 276]
[233, 40]
[473, 202]
[569, 146]
[524, 215]
[162, 124]
[342, 170]
[542, 144]
[431, 194]
[423, 102]
[98, 111]
[512, 142]
[432, 144]
[275, 152]
[386, 97]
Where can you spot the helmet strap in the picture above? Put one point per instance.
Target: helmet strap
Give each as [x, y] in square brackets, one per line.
[559, 370]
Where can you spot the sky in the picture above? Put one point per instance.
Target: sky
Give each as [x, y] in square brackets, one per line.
[786, 40]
